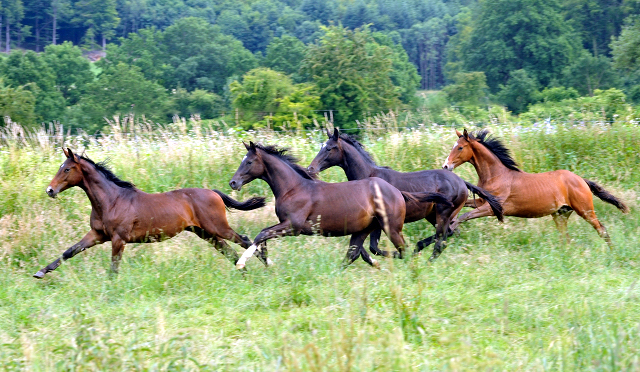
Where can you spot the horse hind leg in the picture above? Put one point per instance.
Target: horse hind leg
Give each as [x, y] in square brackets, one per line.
[560, 217]
[590, 216]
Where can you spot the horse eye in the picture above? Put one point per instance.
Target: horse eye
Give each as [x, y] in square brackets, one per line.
[67, 170]
[249, 162]
[460, 148]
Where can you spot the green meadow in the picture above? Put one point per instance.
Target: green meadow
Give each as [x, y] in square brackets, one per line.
[511, 296]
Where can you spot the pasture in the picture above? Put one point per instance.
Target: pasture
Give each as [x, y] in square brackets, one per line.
[509, 296]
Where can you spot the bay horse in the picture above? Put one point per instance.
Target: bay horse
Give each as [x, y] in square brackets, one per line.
[528, 195]
[122, 214]
[308, 206]
[346, 152]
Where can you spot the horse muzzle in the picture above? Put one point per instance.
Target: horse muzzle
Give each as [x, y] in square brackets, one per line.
[448, 166]
[51, 192]
[235, 185]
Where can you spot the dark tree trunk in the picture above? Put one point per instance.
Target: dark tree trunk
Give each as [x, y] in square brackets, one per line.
[104, 43]
[37, 35]
[7, 48]
[55, 22]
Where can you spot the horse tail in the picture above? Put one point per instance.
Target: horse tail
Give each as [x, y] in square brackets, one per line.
[251, 204]
[605, 196]
[493, 201]
[426, 197]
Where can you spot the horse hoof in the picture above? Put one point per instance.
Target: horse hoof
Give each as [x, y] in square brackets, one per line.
[269, 262]
[376, 264]
[239, 266]
[38, 275]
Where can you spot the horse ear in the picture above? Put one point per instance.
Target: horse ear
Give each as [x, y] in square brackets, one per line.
[252, 146]
[328, 134]
[246, 146]
[66, 153]
[71, 155]
[465, 134]
[336, 134]
[458, 133]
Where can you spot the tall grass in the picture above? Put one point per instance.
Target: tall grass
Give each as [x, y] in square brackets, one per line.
[506, 296]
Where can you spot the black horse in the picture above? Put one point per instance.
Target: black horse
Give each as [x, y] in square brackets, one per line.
[307, 206]
[347, 153]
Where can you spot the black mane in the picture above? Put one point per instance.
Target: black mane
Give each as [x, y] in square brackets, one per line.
[102, 168]
[359, 147]
[497, 148]
[289, 159]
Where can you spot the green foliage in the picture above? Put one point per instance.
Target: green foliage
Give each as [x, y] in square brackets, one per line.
[558, 94]
[404, 74]
[352, 73]
[18, 104]
[285, 54]
[510, 35]
[626, 47]
[200, 56]
[469, 89]
[121, 90]
[588, 73]
[199, 102]
[520, 91]
[31, 71]
[605, 105]
[269, 97]
[72, 71]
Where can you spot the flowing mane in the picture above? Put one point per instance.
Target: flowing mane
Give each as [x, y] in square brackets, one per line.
[291, 160]
[360, 148]
[497, 148]
[102, 168]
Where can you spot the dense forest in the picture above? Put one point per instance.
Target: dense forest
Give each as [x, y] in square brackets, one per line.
[288, 62]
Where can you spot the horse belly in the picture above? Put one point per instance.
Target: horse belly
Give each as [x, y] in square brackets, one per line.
[344, 221]
[537, 199]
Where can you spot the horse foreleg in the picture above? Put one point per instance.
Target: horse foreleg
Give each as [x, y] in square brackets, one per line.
[482, 211]
[473, 203]
[282, 229]
[92, 238]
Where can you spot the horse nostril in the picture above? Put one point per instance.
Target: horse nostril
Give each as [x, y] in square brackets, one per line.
[233, 184]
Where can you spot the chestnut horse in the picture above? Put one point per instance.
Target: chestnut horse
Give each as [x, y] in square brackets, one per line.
[528, 195]
[307, 206]
[123, 214]
[344, 151]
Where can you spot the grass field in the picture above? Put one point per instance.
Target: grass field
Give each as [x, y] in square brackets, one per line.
[506, 296]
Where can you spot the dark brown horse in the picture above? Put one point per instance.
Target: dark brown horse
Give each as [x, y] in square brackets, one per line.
[344, 151]
[307, 206]
[123, 214]
[528, 195]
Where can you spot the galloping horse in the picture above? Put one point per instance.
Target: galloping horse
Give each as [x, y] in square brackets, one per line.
[123, 214]
[307, 206]
[347, 153]
[527, 195]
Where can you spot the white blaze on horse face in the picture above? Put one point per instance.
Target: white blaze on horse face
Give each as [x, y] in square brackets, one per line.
[243, 159]
[324, 144]
[446, 164]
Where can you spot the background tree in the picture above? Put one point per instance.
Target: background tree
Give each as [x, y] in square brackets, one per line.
[101, 18]
[285, 54]
[520, 91]
[72, 71]
[30, 71]
[259, 93]
[353, 80]
[510, 35]
[121, 90]
[12, 13]
[18, 104]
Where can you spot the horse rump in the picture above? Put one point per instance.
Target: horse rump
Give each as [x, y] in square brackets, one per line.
[249, 205]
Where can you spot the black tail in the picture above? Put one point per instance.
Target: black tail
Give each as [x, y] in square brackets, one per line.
[604, 195]
[251, 204]
[494, 202]
[427, 197]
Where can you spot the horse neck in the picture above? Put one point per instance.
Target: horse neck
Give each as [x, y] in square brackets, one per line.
[486, 163]
[100, 191]
[279, 175]
[355, 165]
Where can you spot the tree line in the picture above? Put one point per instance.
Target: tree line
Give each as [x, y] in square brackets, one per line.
[289, 61]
